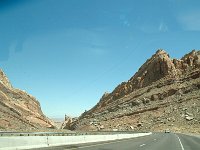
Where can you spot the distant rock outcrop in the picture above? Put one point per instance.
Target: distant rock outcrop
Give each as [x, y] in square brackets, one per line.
[159, 82]
[19, 110]
[68, 123]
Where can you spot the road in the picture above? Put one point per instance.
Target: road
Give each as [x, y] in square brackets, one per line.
[156, 141]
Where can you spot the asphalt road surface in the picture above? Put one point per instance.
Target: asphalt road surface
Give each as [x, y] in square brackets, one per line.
[156, 141]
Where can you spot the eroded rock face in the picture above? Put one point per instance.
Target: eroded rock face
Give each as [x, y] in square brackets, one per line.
[157, 67]
[160, 65]
[192, 59]
[160, 82]
[18, 109]
[4, 80]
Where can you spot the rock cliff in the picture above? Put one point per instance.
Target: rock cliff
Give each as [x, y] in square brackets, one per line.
[164, 93]
[18, 109]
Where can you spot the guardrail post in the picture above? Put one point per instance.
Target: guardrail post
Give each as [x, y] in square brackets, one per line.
[47, 141]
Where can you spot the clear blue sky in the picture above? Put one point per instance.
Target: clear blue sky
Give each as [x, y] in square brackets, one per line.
[67, 53]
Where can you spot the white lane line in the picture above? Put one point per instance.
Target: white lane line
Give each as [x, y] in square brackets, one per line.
[182, 148]
[142, 145]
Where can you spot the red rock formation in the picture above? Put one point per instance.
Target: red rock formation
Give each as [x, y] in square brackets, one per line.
[159, 66]
[19, 110]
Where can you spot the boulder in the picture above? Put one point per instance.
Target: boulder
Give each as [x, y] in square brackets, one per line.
[188, 118]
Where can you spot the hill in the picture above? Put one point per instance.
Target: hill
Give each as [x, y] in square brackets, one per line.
[19, 110]
[163, 94]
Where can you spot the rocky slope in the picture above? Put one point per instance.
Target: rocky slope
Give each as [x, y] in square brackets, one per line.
[19, 110]
[163, 94]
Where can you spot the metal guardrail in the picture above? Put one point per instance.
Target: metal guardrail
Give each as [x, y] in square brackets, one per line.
[2, 133]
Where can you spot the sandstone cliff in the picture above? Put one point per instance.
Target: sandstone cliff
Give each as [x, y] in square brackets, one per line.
[164, 93]
[18, 109]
